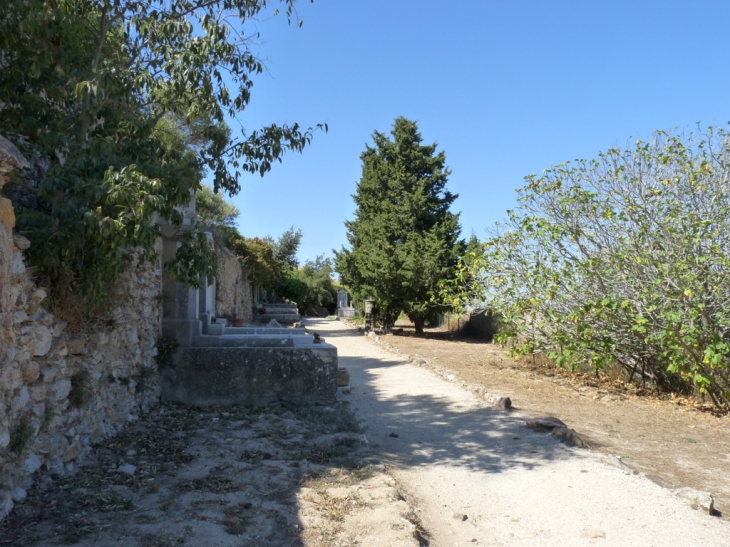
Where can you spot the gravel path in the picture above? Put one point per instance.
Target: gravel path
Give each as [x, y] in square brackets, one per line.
[479, 477]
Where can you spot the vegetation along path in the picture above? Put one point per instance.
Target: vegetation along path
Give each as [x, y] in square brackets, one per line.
[478, 476]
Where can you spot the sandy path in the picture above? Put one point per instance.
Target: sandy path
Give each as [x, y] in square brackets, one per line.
[479, 477]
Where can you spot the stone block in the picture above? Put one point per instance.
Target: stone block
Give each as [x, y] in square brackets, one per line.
[42, 342]
[343, 377]
[21, 242]
[7, 214]
[75, 345]
[32, 464]
[235, 375]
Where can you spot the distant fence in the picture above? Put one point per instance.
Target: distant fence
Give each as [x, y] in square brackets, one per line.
[478, 323]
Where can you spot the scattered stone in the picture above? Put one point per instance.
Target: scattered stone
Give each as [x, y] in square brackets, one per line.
[568, 436]
[697, 499]
[547, 422]
[127, 469]
[21, 242]
[394, 435]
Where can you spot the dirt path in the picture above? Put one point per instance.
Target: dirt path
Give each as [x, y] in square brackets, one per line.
[665, 438]
[479, 477]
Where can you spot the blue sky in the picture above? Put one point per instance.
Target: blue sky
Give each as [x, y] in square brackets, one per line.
[506, 89]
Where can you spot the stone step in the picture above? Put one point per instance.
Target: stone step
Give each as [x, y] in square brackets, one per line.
[251, 341]
[203, 376]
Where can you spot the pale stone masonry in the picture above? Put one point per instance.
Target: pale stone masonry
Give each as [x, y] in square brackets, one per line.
[64, 387]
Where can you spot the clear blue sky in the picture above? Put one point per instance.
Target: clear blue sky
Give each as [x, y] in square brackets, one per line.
[506, 89]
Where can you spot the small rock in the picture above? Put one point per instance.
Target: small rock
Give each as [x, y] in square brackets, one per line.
[451, 378]
[393, 434]
[568, 436]
[505, 403]
[548, 422]
[697, 499]
[32, 464]
[72, 451]
[18, 495]
[75, 345]
[127, 469]
[43, 340]
[21, 242]
[345, 390]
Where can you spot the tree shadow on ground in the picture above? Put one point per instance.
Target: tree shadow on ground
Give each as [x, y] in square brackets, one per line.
[428, 429]
[414, 426]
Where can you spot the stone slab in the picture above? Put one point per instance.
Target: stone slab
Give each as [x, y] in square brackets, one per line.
[251, 341]
[265, 330]
[250, 376]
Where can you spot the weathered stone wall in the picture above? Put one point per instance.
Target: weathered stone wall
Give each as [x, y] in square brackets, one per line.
[233, 289]
[251, 375]
[64, 387]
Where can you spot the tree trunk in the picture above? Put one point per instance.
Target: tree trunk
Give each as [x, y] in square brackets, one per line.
[418, 323]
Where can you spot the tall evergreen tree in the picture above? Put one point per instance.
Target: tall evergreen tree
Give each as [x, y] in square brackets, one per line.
[404, 239]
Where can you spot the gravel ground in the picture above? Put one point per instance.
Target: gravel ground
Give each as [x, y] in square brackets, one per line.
[478, 476]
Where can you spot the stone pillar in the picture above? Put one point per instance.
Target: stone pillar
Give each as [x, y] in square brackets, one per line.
[369, 316]
[342, 299]
[180, 316]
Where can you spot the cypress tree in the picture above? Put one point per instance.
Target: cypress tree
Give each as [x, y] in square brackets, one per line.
[404, 240]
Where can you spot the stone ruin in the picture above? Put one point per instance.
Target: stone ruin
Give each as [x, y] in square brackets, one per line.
[218, 364]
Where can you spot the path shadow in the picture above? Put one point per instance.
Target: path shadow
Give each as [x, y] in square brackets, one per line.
[415, 427]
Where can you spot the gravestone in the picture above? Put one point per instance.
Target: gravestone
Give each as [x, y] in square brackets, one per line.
[344, 308]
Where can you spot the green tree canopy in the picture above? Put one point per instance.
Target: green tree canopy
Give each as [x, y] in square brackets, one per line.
[121, 104]
[404, 239]
[624, 259]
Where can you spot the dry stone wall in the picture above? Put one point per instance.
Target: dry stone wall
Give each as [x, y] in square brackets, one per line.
[233, 289]
[64, 387]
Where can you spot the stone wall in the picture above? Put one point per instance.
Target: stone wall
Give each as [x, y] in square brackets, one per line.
[233, 289]
[65, 386]
[251, 375]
